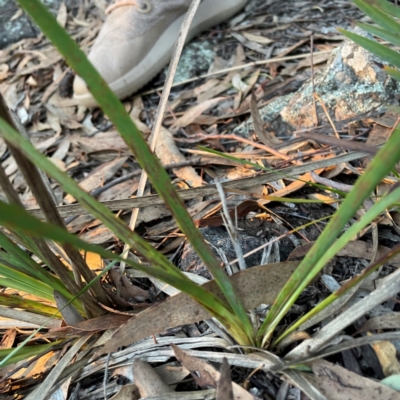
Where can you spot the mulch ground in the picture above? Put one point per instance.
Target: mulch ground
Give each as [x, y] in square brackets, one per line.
[215, 97]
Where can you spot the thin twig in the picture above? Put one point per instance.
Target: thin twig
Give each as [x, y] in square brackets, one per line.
[180, 42]
[96, 192]
[232, 231]
[344, 144]
[312, 79]
[237, 68]
[264, 147]
[208, 190]
[106, 376]
[327, 114]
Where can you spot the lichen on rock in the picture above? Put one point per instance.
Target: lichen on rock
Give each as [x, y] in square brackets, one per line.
[353, 83]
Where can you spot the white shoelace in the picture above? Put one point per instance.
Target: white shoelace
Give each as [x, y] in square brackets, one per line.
[121, 3]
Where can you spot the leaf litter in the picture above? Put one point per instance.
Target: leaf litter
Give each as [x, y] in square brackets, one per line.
[255, 93]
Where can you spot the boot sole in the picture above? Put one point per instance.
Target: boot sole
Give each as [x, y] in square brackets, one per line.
[161, 52]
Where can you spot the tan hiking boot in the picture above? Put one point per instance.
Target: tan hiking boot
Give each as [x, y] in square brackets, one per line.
[137, 39]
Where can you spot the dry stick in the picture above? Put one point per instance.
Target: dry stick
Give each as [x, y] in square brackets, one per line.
[238, 67]
[232, 231]
[312, 79]
[180, 42]
[327, 114]
[344, 144]
[207, 190]
[238, 138]
[98, 191]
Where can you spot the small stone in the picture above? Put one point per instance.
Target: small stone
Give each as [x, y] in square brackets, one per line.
[12, 31]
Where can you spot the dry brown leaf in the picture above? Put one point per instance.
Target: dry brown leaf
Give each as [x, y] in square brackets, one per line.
[120, 191]
[62, 15]
[171, 373]
[240, 212]
[337, 383]
[254, 286]
[3, 146]
[257, 38]
[192, 113]
[62, 149]
[196, 211]
[216, 90]
[224, 386]
[66, 115]
[4, 68]
[7, 341]
[268, 138]
[110, 140]
[207, 375]
[43, 145]
[99, 235]
[58, 163]
[292, 69]
[93, 260]
[127, 289]
[168, 153]
[48, 57]
[355, 248]
[386, 353]
[149, 214]
[17, 14]
[137, 109]
[384, 321]
[250, 84]
[98, 176]
[205, 87]
[54, 122]
[99, 324]
[147, 380]
[380, 133]
[38, 367]
[127, 392]
[293, 187]
[251, 45]
[238, 84]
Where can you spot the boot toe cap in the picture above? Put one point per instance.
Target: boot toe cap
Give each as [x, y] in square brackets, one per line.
[79, 87]
[81, 92]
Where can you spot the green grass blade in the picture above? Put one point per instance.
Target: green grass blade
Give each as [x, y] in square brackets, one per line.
[376, 13]
[26, 264]
[57, 314]
[27, 305]
[376, 210]
[383, 5]
[378, 49]
[15, 218]
[134, 139]
[314, 260]
[25, 352]
[19, 281]
[18, 259]
[282, 174]
[394, 73]
[384, 34]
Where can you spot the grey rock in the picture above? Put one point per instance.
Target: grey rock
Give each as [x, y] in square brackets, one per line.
[12, 31]
[196, 59]
[352, 84]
